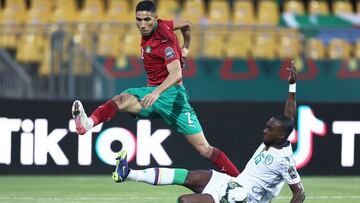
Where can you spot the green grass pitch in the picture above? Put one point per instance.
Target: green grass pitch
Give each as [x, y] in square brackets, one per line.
[66, 189]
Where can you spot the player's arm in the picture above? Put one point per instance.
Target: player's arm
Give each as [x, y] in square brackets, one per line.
[175, 75]
[290, 106]
[298, 193]
[185, 28]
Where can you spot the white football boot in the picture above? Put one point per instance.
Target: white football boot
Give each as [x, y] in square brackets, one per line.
[80, 117]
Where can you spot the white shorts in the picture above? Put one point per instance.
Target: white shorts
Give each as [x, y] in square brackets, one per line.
[223, 186]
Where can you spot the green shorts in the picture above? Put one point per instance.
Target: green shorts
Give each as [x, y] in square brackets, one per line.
[172, 106]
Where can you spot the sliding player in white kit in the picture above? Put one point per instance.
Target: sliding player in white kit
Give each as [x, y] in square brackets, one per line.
[262, 179]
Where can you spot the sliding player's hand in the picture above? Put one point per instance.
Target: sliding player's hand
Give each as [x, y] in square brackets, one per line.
[293, 73]
[149, 100]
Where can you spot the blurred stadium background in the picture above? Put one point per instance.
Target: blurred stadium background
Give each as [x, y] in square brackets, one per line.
[55, 51]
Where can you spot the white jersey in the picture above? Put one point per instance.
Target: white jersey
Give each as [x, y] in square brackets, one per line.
[267, 171]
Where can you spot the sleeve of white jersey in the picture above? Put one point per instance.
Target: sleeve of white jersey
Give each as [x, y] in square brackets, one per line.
[288, 171]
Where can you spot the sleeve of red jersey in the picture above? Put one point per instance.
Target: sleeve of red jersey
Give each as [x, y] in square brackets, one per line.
[169, 23]
[169, 53]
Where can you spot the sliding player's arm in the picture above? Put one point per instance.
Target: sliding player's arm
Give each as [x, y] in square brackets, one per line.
[298, 193]
[290, 106]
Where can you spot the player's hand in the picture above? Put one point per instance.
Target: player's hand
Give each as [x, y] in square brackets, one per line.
[149, 100]
[184, 52]
[293, 73]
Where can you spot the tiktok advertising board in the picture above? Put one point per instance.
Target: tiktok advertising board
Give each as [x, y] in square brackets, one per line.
[38, 137]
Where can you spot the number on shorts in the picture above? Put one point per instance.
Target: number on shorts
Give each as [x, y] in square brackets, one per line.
[189, 118]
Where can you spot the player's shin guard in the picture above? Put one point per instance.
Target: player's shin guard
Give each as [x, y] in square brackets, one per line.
[104, 112]
[220, 160]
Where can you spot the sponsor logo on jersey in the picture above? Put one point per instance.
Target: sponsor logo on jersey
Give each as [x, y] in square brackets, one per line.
[169, 53]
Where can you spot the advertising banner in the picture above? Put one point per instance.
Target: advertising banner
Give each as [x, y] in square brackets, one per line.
[38, 137]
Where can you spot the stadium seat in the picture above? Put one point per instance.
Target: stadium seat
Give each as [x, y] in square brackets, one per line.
[13, 14]
[30, 48]
[265, 47]
[92, 11]
[45, 64]
[219, 12]
[15, 5]
[84, 44]
[357, 49]
[289, 43]
[339, 49]
[39, 12]
[268, 13]
[119, 11]
[314, 49]
[167, 9]
[84, 37]
[294, 6]
[193, 10]
[318, 7]
[239, 43]
[243, 13]
[342, 6]
[214, 43]
[109, 41]
[65, 11]
[131, 42]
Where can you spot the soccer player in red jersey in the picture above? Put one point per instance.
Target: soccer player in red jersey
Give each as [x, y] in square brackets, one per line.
[165, 96]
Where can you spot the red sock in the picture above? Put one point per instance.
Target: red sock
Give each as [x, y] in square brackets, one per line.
[220, 160]
[104, 112]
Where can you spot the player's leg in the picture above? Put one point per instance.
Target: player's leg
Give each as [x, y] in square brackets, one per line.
[175, 109]
[196, 198]
[194, 180]
[215, 155]
[124, 102]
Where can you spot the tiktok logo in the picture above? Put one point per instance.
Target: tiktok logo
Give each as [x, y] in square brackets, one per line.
[38, 143]
[309, 125]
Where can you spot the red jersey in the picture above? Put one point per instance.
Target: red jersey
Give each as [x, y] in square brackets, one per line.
[158, 50]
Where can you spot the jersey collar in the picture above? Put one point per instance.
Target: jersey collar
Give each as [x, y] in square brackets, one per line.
[286, 144]
[153, 30]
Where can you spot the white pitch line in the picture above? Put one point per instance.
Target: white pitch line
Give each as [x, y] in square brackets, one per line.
[83, 198]
[323, 197]
[144, 198]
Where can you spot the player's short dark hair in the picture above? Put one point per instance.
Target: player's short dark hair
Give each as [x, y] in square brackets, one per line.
[146, 5]
[286, 122]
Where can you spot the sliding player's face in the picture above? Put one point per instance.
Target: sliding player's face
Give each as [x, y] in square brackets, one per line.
[145, 22]
[273, 132]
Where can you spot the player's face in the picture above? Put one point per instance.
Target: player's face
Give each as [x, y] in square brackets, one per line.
[145, 22]
[273, 132]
